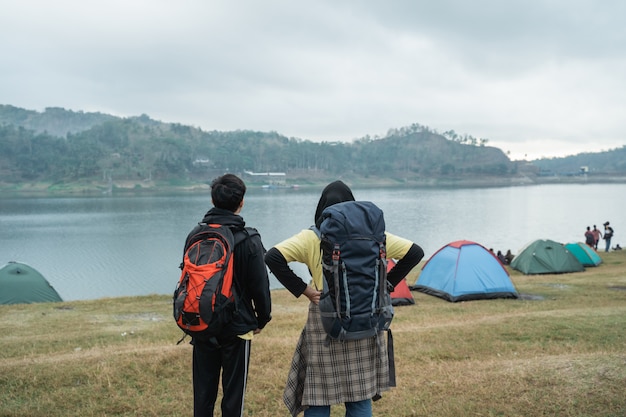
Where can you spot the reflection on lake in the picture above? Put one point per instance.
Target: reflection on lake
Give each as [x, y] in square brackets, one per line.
[132, 245]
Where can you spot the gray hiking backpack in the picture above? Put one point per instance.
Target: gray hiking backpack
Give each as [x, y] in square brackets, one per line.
[356, 301]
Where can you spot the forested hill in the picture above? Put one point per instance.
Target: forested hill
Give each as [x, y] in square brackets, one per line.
[606, 163]
[59, 145]
[54, 120]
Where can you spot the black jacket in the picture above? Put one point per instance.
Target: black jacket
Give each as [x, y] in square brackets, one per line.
[250, 281]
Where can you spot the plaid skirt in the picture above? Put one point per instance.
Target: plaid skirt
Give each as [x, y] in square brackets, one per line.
[326, 371]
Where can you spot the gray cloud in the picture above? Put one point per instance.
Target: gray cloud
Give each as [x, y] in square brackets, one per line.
[539, 78]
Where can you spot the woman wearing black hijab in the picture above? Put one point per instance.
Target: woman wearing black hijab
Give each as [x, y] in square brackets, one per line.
[326, 371]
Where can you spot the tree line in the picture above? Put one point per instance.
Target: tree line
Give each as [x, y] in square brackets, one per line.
[140, 148]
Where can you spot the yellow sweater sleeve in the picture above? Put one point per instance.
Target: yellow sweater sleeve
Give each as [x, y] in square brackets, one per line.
[304, 247]
[397, 246]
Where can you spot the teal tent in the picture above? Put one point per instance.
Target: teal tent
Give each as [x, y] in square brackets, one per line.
[463, 271]
[22, 284]
[585, 255]
[545, 256]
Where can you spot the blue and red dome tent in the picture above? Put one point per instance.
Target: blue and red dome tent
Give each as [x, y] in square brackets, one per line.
[465, 270]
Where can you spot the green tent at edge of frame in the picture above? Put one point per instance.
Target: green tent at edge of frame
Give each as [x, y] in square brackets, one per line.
[22, 284]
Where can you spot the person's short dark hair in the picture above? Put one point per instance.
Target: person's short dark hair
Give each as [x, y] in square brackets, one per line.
[227, 192]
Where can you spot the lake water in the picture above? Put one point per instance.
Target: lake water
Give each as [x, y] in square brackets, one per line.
[111, 246]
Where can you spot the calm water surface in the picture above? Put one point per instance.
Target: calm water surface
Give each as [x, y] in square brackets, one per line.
[116, 246]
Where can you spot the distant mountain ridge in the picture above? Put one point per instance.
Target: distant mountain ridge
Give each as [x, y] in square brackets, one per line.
[68, 146]
[605, 162]
[55, 121]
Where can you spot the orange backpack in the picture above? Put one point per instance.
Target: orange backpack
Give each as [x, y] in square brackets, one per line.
[204, 300]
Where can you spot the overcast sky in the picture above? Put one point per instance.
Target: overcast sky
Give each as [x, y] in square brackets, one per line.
[535, 78]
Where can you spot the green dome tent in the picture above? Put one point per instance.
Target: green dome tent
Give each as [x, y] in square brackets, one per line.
[546, 257]
[22, 284]
[584, 254]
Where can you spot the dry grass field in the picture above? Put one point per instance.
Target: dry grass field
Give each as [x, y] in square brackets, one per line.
[559, 351]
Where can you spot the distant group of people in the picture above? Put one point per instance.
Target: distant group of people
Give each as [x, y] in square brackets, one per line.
[504, 259]
[592, 237]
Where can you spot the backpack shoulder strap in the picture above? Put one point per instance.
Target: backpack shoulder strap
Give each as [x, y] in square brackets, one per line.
[244, 233]
[316, 230]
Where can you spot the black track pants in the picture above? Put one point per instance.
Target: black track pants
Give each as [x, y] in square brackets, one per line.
[230, 355]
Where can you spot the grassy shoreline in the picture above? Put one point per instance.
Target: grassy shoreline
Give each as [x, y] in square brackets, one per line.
[95, 188]
[561, 353]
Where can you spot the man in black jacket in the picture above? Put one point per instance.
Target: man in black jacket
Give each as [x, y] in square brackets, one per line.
[230, 351]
